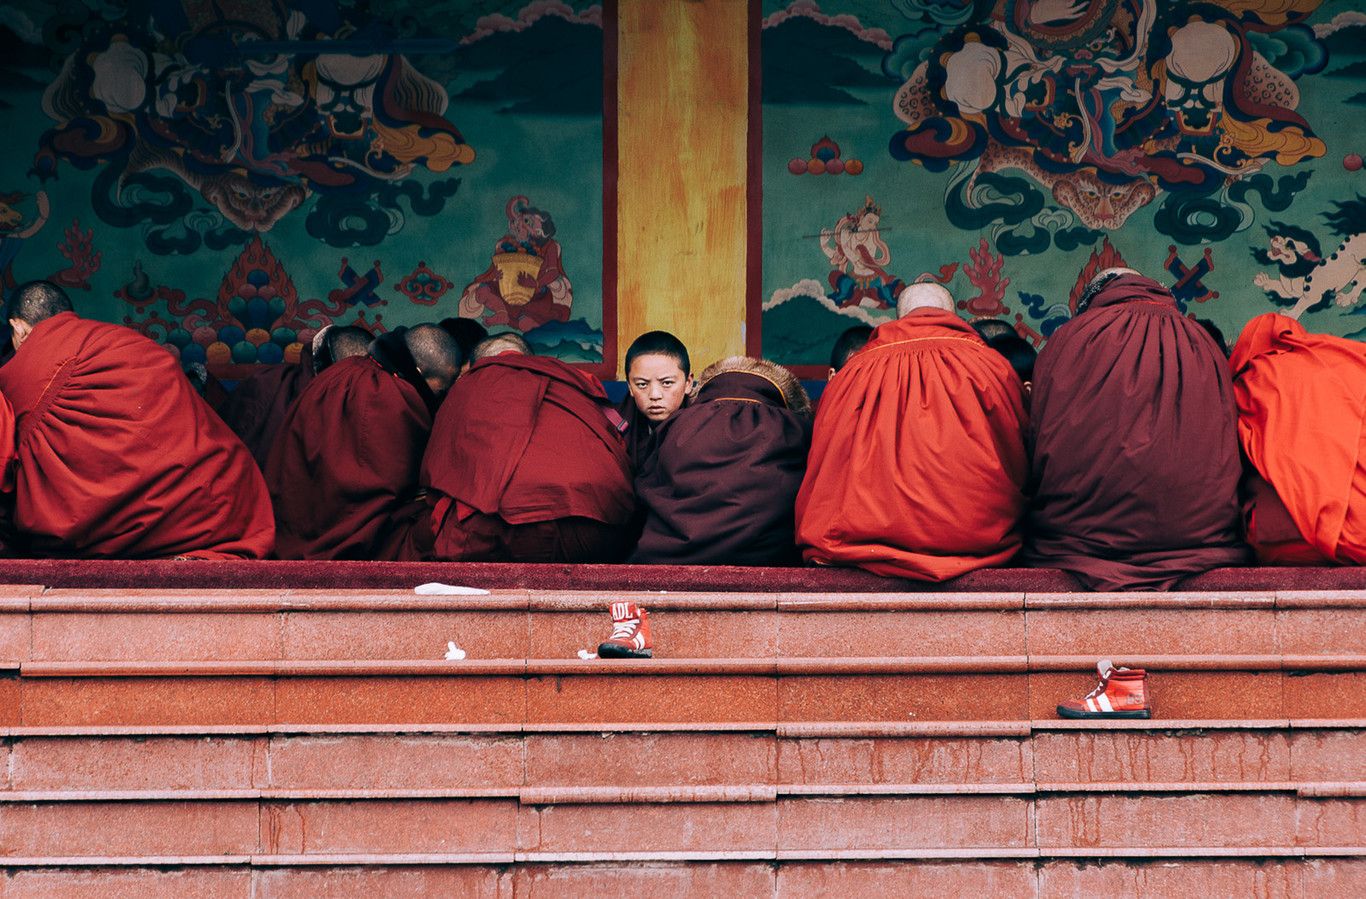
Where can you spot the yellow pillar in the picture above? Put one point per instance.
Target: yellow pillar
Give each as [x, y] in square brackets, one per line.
[682, 113]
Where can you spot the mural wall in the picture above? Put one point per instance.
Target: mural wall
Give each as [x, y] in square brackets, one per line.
[228, 177]
[1011, 148]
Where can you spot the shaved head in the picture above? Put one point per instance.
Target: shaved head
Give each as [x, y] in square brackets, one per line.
[436, 355]
[38, 301]
[352, 340]
[507, 342]
[924, 294]
[31, 303]
[1097, 284]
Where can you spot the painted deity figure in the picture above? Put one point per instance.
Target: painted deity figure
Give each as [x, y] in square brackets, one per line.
[858, 258]
[525, 285]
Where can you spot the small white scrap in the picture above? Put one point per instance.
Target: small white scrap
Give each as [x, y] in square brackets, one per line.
[435, 589]
[586, 655]
[454, 653]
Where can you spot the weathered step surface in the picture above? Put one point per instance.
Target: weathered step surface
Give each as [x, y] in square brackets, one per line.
[293, 741]
[38, 625]
[1270, 878]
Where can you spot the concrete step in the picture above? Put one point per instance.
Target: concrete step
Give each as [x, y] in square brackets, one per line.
[72, 624]
[1273, 878]
[1315, 759]
[650, 693]
[448, 830]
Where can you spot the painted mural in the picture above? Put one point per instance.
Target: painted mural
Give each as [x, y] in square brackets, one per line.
[228, 177]
[1009, 149]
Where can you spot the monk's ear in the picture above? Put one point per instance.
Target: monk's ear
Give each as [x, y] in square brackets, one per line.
[692, 386]
[830, 374]
[19, 330]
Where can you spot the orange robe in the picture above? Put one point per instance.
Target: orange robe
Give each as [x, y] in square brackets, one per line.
[917, 465]
[1301, 416]
[119, 457]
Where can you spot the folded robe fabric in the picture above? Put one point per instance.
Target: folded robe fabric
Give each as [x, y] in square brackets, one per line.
[719, 487]
[1134, 453]
[917, 463]
[1301, 410]
[118, 457]
[344, 468]
[257, 406]
[527, 439]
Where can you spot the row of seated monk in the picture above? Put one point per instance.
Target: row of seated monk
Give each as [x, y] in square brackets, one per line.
[1141, 455]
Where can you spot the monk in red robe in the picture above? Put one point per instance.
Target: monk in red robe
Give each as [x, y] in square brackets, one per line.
[526, 464]
[1301, 408]
[343, 472]
[917, 465]
[720, 485]
[1134, 462]
[118, 457]
[259, 403]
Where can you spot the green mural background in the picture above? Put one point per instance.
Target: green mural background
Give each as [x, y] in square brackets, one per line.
[1215, 146]
[229, 177]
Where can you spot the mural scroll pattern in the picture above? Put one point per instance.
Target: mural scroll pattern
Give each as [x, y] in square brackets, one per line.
[248, 144]
[1060, 135]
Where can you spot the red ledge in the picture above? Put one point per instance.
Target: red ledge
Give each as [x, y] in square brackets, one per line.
[900, 602]
[282, 575]
[665, 794]
[1174, 600]
[821, 666]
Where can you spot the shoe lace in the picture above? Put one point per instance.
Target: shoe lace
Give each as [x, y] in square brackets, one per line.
[624, 630]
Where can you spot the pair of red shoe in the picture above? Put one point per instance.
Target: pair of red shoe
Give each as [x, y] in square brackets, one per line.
[1122, 692]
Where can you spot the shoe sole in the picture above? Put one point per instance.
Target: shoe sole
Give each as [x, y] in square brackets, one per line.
[616, 651]
[1076, 713]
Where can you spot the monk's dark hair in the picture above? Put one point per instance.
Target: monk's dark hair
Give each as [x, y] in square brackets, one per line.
[434, 352]
[849, 343]
[467, 333]
[1020, 353]
[988, 328]
[503, 342]
[659, 343]
[794, 394]
[1213, 331]
[36, 301]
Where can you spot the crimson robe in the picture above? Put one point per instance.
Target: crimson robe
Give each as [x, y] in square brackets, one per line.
[917, 464]
[1302, 426]
[257, 406]
[119, 457]
[343, 471]
[1134, 466]
[522, 441]
[719, 487]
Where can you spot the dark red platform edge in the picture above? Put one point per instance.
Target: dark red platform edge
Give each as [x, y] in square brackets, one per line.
[120, 574]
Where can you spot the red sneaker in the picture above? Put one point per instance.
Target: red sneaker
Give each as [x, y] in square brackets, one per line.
[1122, 693]
[630, 633]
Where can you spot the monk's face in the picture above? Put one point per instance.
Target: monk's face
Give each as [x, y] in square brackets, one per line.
[658, 385]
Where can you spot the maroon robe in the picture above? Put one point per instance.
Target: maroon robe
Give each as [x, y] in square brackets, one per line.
[343, 471]
[525, 465]
[256, 407]
[119, 457]
[1134, 462]
[720, 485]
[638, 428]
